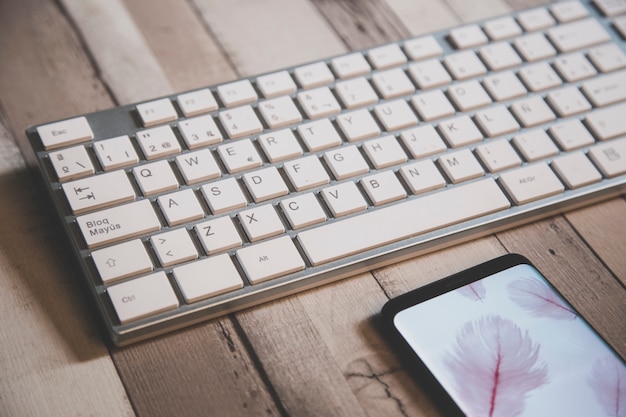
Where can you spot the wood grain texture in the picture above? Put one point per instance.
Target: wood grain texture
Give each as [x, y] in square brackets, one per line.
[598, 225]
[201, 371]
[268, 35]
[424, 16]
[362, 24]
[120, 52]
[196, 60]
[52, 360]
[472, 10]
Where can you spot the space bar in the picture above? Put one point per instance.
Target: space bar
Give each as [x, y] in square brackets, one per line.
[401, 221]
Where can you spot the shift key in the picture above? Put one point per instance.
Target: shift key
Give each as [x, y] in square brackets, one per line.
[118, 223]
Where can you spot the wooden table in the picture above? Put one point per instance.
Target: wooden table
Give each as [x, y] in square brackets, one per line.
[313, 354]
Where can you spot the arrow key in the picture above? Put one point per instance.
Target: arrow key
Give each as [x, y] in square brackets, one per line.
[174, 247]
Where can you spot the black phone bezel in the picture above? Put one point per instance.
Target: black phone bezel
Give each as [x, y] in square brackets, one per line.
[406, 355]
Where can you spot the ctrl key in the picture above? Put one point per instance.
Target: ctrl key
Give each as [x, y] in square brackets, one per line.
[142, 297]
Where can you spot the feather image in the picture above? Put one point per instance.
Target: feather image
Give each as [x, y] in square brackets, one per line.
[538, 299]
[474, 291]
[495, 367]
[608, 381]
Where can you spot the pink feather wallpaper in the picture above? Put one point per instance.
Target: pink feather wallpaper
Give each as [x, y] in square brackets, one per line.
[510, 346]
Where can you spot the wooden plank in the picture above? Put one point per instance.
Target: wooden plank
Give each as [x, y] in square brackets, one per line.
[470, 11]
[560, 254]
[44, 73]
[201, 371]
[180, 43]
[269, 35]
[424, 16]
[362, 24]
[53, 360]
[120, 52]
[597, 225]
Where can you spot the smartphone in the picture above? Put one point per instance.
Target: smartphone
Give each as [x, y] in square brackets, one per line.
[499, 340]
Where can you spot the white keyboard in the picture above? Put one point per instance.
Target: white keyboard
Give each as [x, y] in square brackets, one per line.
[192, 206]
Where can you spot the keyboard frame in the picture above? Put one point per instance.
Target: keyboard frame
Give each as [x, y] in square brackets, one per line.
[125, 120]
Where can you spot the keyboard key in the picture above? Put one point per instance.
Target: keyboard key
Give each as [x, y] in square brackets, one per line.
[464, 65]
[395, 115]
[531, 183]
[180, 207]
[608, 57]
[237, 93]
[276, 84]
[157, 112]
[224, 195]
[384, 152]
[574, 67]
[568, 11]
[198, 166]
[158, 142]
[358, 125]
[422, 48]
[306, 173]
[218, 235]
[115, 153]
[606, 89]
[429, 74]
[575, 170]
[279, 112]
[468, 36]
[407, 219]
[568, 101]
[499, 56]
[532, 111]
[502, 28]
[611, 7]
[318, 103]
[260, 222]
[199, 132]
[535, 145]
[319, 135]
[386, 56]
[539, 77]
[535, 19]
[265, 184]
[498, 155]
[99, 191]
[142, 297]
[343, 199]
[314, 75]
[303, 210]
[209, 277]
[607, 123]
[422, 141]
[383, 187]
[118, 223]
[460, 166]
[239, 156]
[346, 162]
[610, 157]
[422, 176]
[197, 102]
[271, 259]
[173, 247]
[392, 83]
[280, 145]
[64, 133]
[534, 47]
[122, 260]
[356, 92]
[577, 35]
[71, 163]
[496, 121]
[155, 178]
[504, 86]
[570, 135]
[460, 131]
[350, 65]
[432, 105]
[240, 122]
[468, 95]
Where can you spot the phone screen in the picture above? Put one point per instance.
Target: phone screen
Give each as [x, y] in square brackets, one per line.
[509, 345]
